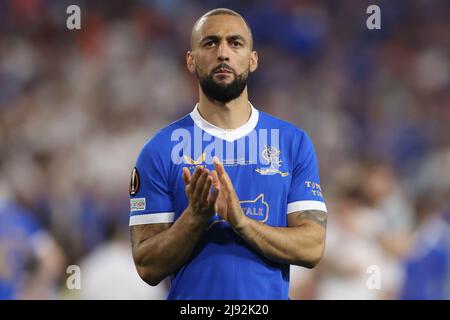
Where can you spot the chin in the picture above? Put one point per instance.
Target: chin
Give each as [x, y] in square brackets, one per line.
[224, 82]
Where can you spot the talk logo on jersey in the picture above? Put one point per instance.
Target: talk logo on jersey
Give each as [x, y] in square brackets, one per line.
[257, 209]
[272, 157]
[134, 182]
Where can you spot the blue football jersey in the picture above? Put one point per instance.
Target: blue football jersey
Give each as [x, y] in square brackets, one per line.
[273, 167]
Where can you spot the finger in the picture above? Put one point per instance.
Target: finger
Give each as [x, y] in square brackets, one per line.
[186, 176]
[200, 184]
[215, 179]
[197, 173]
[206, 188]
[219, 167]
[223, 177]
[214, 182]
[216, 163]
[213, 197]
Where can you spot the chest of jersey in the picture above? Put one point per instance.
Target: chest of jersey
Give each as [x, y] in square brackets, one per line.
[262, 190]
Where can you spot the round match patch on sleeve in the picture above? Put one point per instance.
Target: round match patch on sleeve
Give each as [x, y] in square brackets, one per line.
[134, 182]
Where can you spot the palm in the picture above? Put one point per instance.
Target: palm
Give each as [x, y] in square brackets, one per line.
[227, 204]
[221, 206]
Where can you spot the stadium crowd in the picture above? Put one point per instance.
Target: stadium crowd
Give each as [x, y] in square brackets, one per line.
[76, 106]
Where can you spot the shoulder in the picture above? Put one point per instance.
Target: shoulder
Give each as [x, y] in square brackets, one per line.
[294, 140]
[287, 129]
[161, 140]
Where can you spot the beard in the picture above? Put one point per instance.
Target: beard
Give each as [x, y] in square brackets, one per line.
[222, 92]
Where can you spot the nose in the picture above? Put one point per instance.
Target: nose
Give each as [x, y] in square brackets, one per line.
[222, 52]
[223, 58]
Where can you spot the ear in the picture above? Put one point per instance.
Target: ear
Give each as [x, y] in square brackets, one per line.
[253, 61]
[190, 62]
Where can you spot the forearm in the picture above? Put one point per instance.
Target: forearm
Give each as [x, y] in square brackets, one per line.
[301, 245]
[164, 253]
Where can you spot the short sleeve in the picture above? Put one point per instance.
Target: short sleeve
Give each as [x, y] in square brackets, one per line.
[305, 192]
[150, 195]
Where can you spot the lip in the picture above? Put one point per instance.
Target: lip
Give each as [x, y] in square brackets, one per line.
[222, 74]
[223, 71]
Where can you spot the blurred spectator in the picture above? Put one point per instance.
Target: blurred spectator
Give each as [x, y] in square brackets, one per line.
[427, 266]
[109, 273]
[31, 263]
[354, 241]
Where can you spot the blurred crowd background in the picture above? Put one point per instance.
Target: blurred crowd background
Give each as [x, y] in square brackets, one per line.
[77, 106]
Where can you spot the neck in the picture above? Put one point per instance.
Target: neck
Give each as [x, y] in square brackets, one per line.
[230, 115]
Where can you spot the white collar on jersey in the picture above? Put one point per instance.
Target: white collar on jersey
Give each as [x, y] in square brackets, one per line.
[226, 134]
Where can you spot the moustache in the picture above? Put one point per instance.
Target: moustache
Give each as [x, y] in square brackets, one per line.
[223, 66]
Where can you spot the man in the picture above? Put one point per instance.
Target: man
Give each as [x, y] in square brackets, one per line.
[30, 259]
[226, 198]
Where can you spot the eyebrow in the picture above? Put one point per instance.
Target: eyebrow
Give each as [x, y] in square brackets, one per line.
[229, 38]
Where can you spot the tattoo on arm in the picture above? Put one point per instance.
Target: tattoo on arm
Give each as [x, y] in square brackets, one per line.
[317, 216]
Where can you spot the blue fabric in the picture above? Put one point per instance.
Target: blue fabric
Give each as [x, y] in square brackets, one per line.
[222, 265]
[17, 247]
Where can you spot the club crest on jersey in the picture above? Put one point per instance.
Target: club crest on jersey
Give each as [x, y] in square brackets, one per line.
[134, 182]
[272, 156]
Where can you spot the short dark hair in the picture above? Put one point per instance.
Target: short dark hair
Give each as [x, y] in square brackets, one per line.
[223, 11]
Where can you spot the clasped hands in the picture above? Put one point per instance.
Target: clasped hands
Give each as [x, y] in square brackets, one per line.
[205, 202]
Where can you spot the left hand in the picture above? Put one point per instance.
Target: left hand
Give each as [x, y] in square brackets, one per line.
[228, 200]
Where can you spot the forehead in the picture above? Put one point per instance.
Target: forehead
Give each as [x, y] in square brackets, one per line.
[220, 25]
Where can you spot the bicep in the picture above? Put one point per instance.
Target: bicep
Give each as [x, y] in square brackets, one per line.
[299, 218]
[140, 233]
[310, 231]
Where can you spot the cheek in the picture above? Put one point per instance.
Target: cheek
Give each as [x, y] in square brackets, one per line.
[203, 65]
[243, 63]
[243, 68]
[201, 70]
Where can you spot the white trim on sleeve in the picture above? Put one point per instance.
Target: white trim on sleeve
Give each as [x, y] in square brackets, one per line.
[306, 205]
[162, 217]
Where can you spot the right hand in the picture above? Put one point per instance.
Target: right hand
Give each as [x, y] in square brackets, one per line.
[202, 203]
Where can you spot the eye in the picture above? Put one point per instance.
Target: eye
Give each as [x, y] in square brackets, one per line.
[236, 44]
[209, 44]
